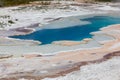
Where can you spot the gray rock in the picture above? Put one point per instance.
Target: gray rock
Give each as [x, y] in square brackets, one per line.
[2, 56]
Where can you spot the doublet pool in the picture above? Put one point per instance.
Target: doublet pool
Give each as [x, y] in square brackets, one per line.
[75, 33]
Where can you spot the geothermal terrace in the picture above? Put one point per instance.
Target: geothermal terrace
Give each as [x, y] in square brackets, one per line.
[60, 60]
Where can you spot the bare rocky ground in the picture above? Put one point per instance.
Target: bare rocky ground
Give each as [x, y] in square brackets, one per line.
[107, 70]
[95, 69]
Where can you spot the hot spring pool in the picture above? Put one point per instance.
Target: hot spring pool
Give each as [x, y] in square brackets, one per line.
[75, 33]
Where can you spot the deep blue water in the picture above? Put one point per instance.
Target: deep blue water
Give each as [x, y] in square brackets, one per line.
[76, 33]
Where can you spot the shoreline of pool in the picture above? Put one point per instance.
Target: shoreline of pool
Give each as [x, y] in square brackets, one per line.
[34, 47]
[52, 48]
[35, 27]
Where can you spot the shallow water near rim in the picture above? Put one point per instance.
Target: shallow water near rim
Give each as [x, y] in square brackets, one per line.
[75, 33]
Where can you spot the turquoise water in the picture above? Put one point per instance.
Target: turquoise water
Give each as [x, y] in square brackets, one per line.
[76, 33]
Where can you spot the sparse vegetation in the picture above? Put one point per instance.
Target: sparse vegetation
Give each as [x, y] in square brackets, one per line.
[10, 21]
[104, 0]
[18, 2]
[12, 2]
[6, 20]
